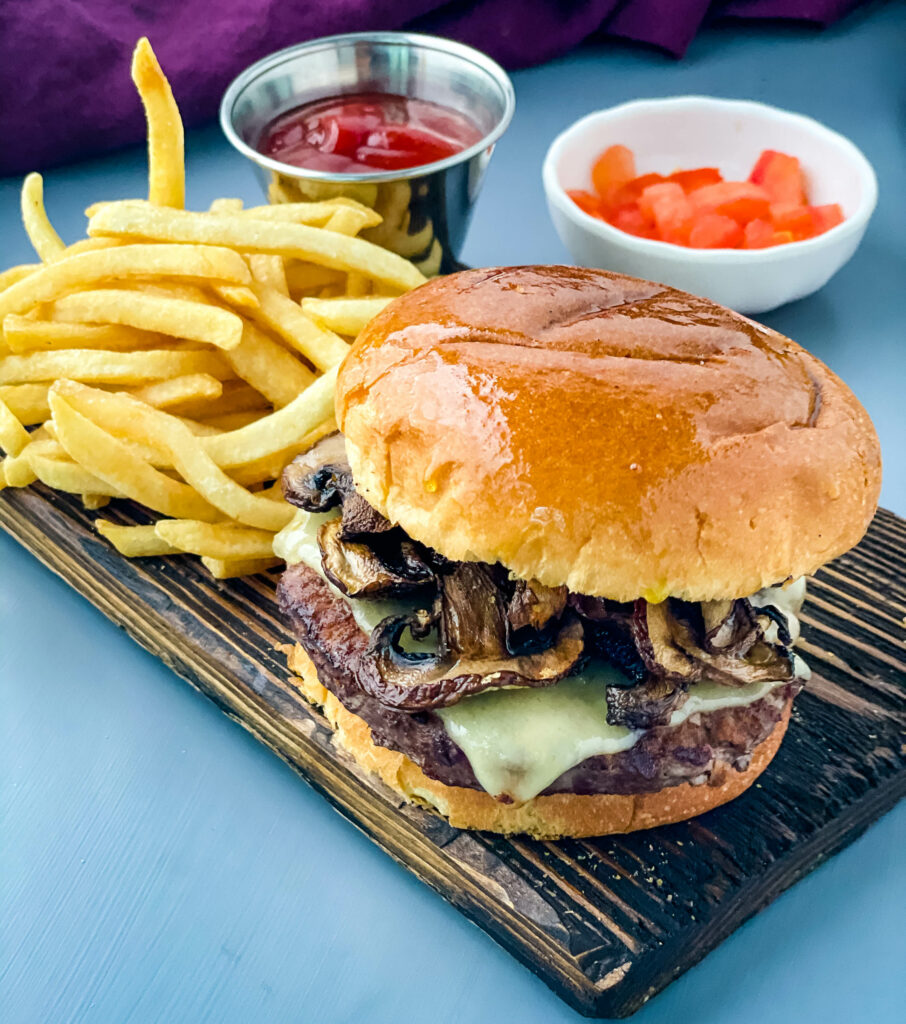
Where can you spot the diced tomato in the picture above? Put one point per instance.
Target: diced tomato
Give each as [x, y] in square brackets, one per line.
[689, 181]
[780, 176]
[613, 168]
[744, 209]
[631, 220]
[798, 220]
[668, 207]
[710, 197]
[714, 231]
[630, 192]
[782, 238]
[586, 201]
[758, 234]
[826, 217]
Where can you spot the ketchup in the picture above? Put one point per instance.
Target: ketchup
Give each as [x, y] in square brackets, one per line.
[355, 134]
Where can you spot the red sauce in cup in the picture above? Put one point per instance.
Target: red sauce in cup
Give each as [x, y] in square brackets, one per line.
[355, 134]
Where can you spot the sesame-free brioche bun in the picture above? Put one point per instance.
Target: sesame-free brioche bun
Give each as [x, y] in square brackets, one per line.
[552, 816]
[617, 436]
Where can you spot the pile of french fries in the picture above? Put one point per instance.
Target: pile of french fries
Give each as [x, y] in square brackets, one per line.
[182, 359]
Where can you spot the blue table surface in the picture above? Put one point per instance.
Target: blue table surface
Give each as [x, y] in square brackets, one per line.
[157, 864]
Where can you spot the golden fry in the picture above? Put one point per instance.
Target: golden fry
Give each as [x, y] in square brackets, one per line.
[309, 277]
[285, 427]
[103, 367]
[134, 541]
[166, 166]
[224, 570]
[320, 346]
[247, 234]
[176, 390]
[63, 474]
[269, 270]
[95, 501]
[99, 266]
[13, 436]
[224, 206]
[27, 402]
[345, 316]
[179, 318]
[23, 334]
[216, 540]
[270, 369]
[16, 274]
[45, 241]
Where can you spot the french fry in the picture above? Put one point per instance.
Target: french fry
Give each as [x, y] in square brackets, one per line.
[285, 427]
[230, 420]
[216, 540]
[45, 241]
[345, 316]
[87, 245]
[176, 317]
[13, 436]
[166, 168]
[224, 206]
[348, 220]
[95, 501]
[249, 235]
[237, 397]
[176, 390]
[224, 570]
[97, 266]
[27, 402]
[23, 334]
[268, 367]
[269, 270]
[236, 295]
[285, 318]
[113, 462]
[309, 277]
[315, 213]
[63, 474]
[16, 274]
[102, 367]
[134, 541]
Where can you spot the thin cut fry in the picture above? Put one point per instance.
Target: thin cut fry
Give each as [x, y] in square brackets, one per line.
[95, 501]
[16, 274]
[87, 245]
[268, 367]
[46, 242]
[246, 234]
[64, 474]
[166, 167]
[87, 269]
[216, 540]
[192, 386]
[23, 334]
[113, 462]
[345, 316]
[103, 367]
[224, 570]
[316, 213]
[27, 402]
[350, 221]
[176, 317]
[224, 206]
[308, 277]
[13, 436]
[134, 541]
[238, 295]
[237, 397]
[281, 429]
[320, 346]
[269, 270]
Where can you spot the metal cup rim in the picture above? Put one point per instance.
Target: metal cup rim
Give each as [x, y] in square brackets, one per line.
[247, 77]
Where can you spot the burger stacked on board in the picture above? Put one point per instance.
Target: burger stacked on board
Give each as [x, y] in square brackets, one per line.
[547, 577]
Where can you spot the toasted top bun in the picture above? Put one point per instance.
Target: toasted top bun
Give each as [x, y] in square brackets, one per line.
[614, 435]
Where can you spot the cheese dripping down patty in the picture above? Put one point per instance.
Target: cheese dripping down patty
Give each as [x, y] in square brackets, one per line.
[519, 740]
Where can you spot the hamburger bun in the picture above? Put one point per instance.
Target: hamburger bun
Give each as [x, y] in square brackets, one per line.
[553, 816]
[620, 437]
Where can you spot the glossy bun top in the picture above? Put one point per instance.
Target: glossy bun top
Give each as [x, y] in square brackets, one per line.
[614, 435]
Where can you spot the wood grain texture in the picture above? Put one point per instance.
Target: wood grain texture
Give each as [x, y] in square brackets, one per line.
[606, 923]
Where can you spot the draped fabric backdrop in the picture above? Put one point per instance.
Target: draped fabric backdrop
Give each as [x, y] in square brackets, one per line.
[64, 64]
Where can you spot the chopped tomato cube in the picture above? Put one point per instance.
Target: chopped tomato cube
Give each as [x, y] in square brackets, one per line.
[714, 231]
[689, 181]
[780, 176]
[586, 201]
[613, 168]
[631, 220]
[759, 234]
[798, 220]
[782, 237]
[630, 192]
[710, 197]
[668, 206]
[744, 209]
[826, 217]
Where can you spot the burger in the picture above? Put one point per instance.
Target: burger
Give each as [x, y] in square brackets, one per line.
[546, 577]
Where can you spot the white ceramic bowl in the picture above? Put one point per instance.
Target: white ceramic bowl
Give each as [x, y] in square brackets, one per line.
[698, 131]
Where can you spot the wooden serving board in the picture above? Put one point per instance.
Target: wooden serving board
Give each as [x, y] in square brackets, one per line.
[606, 923]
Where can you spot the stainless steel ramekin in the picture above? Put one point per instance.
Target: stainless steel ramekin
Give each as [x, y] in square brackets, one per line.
[426, 209]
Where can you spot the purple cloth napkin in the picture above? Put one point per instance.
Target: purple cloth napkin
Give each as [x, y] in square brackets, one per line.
[65, 91]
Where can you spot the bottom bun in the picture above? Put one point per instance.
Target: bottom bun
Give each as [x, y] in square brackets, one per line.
[556, 816]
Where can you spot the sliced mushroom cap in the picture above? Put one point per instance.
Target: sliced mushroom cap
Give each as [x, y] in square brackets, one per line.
[644, 706]
[358, 570]
[472, 653]
[533, 605]
[730, 627]
[660, 641]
